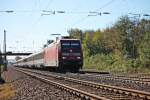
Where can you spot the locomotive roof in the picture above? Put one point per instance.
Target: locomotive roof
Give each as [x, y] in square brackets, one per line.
[69, 39]
[56, 42]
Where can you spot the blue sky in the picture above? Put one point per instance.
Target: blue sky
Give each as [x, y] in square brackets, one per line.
[27, 30]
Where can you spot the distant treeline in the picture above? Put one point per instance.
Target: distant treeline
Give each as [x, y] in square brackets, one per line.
[125, 43]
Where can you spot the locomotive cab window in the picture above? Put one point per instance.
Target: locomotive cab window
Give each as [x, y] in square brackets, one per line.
[73, 45]
[65, 45]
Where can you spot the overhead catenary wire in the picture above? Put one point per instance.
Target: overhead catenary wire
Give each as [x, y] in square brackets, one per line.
[34, 24]
[59, 11]
[35, 4]
[39, 18]
[105, 5]
[48, 4]
[84, 18]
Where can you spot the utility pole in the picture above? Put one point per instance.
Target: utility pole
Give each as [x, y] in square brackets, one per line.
[5, 56]
[136, 20]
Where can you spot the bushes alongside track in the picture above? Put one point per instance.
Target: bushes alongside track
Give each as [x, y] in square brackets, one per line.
[1, 68]
[114, 63]
[123, 47]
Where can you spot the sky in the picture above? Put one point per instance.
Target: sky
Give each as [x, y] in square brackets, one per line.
[28, 29]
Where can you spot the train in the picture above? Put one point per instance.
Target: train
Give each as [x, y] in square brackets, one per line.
[63, 55]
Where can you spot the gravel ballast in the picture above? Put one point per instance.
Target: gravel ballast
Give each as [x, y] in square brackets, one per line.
[27, 88]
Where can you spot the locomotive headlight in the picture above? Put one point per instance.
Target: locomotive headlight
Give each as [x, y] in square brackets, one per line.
[63, 57]
[78, 57]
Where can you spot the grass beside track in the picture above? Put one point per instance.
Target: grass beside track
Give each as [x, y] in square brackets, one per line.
[6, 91]
[1, 67]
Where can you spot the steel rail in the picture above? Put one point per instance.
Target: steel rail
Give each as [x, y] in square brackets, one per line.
[82, 94]
[96, 72]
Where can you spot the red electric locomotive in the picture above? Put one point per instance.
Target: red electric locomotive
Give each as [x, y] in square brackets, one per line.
[64, 54]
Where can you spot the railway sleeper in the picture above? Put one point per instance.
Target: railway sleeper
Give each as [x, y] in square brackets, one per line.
[121, 92]
[142, 96]
[134, 94]
[128, 93]
[148, 97]
[114, 90]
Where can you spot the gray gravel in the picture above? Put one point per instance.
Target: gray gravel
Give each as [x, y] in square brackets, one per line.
[28, 88]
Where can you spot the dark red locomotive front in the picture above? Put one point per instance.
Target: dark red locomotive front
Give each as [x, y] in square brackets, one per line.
[70, 54]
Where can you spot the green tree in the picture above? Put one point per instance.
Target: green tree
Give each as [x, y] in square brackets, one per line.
[113, 40]
[124, 26]
[76, 33]
[144, 50]
[98, 43]
[87, 43]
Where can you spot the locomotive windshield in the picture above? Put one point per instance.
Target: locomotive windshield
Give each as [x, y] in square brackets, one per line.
[72, 47]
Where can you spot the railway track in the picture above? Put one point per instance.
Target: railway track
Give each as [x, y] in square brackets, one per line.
[138, 79]
[93, 90]
[141, 78]
[126, 81]
[115, 80]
